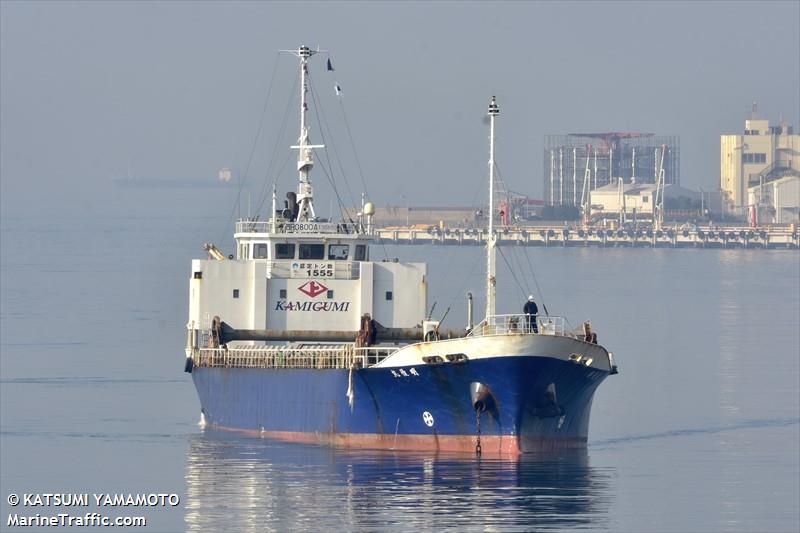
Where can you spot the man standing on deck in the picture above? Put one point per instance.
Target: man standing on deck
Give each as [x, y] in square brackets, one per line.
[531, 310]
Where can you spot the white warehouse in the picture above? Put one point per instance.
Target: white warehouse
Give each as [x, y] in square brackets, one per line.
[637, 198]
[775, 202]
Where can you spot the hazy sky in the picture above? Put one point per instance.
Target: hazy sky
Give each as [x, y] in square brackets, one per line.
[175, 89]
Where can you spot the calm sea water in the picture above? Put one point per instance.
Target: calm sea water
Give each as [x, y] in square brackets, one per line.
[700, 431]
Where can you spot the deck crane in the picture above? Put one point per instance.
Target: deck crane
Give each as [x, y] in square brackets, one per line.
[658, 201]
[586, 207]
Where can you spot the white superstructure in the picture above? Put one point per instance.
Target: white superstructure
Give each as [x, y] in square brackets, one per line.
[297, 272]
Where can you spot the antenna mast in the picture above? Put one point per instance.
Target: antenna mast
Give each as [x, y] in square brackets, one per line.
[305, 158]
[491, 240]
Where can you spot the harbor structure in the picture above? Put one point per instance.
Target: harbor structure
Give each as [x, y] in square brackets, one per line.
[684, 235]
[626, 201]
[761, 154]
[453, 216]
[775, 202]
[578, 163]
[513, 207]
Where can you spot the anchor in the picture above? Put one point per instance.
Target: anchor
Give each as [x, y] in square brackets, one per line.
[482, 399]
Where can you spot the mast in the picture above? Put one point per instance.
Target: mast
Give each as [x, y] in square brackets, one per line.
[273, 222]
[491, 240]
[305, 158]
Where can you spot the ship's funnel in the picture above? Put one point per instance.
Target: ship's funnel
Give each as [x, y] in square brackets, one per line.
[480, 395]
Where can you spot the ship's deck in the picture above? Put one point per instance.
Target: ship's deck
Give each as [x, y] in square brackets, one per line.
[348, 355]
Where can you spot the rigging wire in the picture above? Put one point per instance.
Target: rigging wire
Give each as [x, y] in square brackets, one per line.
[516, 261]
[353, 145]
[527, 257]
[329, 176]
[238, 204]
[323, 126]
[536, 282]
[463, 286]
[274, 155]
[513, 275]
[274, 182]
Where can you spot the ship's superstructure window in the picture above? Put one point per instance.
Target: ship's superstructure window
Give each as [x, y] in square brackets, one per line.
[361, 252]
[389, 295]
[198, 275]
[309, 250]
[260, 251]
[284, 250]
[330, 295]
[282, 294]
[338, 251]
[235, 293]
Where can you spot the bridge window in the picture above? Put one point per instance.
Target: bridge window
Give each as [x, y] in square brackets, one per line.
[312, 251]
[361, 252]
[260, 251]
[389, 295]
[338, 251]
[284, 250]
[235, 293]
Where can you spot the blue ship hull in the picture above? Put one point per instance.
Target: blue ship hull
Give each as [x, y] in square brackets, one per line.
[536, 403]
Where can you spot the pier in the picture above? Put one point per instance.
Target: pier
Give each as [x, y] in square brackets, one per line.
[669, 237]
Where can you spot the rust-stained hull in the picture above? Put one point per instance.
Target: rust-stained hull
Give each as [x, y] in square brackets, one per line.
[500, 445]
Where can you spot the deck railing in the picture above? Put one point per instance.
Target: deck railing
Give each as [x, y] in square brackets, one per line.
[341, 356]
[519, 323]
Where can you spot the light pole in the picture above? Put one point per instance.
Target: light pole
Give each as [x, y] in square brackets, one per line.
[702, 202]
[405, 200]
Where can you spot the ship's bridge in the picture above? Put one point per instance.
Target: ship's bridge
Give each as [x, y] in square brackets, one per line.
[289, 277]
[302, 241]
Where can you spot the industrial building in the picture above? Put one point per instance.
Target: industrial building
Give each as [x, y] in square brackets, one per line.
[775, 201]
[578, 163]
[428, 216]
[760, 155]
[636, 200]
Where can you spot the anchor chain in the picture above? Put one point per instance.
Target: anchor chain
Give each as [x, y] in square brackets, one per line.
[478, 422]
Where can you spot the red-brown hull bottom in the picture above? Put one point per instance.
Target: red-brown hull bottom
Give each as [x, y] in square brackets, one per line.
[502, 445]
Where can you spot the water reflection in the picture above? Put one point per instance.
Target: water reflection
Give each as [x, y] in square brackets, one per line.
[250, 484]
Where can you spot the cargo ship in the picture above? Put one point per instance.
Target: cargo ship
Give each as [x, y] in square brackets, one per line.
[300, 336]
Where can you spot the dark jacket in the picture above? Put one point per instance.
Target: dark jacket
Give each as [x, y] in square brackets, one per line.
[530, 308]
